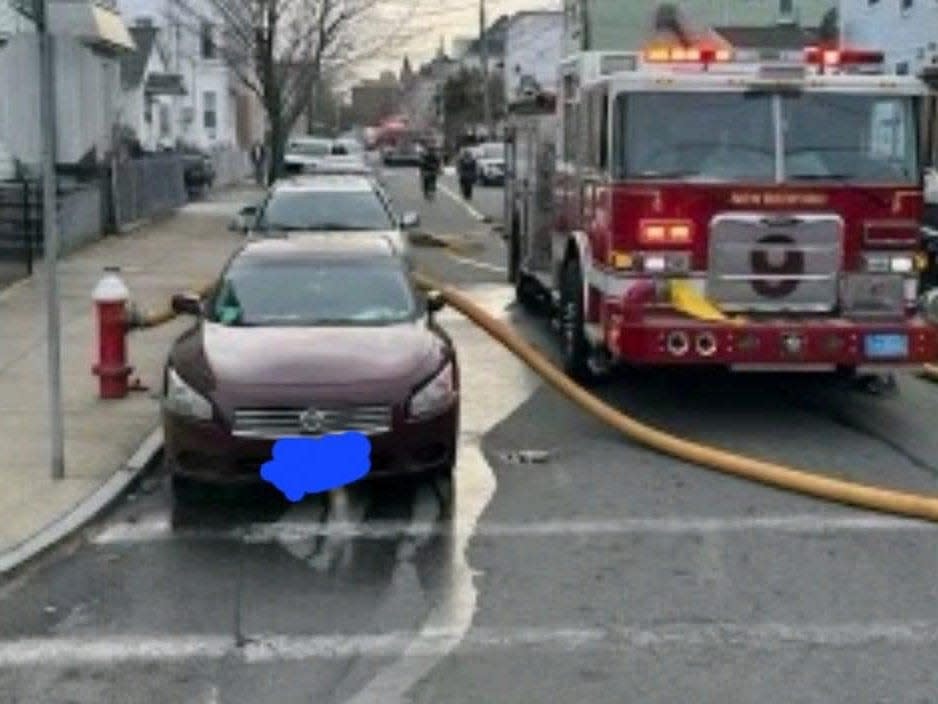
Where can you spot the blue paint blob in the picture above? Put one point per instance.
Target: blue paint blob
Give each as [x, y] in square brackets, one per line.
[303, 466]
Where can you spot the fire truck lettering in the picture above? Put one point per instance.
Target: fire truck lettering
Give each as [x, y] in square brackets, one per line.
[777, 198]
[760, 261]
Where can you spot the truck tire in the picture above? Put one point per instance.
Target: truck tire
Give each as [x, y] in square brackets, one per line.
[575, 346]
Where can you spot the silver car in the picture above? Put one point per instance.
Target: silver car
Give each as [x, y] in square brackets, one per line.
[333, 205]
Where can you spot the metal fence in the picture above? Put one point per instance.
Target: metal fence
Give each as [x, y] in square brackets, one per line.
[20, 229]
[147, 187]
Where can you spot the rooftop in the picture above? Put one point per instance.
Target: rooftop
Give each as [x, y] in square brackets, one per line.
[316, 247]
[330, 183]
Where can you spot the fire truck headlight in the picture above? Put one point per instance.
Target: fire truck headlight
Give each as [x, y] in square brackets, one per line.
[885, 263]
[655, 264]
[902, 264]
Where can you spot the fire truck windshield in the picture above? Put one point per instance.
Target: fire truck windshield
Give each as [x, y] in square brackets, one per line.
[731, 137]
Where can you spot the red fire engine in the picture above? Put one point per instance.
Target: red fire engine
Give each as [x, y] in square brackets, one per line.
[697, 205]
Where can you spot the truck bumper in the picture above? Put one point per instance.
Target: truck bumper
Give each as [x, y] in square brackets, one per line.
[788, 343]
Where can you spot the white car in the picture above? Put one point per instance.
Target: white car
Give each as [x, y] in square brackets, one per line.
[328, 204]
[305, 153]
[490, 157]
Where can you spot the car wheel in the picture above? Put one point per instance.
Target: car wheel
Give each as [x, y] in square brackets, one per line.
[575, 346]
[187, 491]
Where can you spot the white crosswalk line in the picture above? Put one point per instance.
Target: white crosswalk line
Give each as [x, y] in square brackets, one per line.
[157, 529]
[430, 643]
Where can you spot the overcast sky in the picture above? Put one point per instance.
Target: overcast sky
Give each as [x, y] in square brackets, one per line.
[448, 19]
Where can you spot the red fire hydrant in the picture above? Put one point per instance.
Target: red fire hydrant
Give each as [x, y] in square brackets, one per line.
[110, 299]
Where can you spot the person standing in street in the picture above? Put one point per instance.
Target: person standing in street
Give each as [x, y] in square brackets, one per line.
[468, 170]
[258, 158]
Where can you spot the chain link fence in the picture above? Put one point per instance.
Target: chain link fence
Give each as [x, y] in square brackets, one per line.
[147, 187]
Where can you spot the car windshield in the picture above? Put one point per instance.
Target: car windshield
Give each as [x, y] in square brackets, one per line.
[495, 150]
[325, 210]
[309, 147]
[259, 293]
[732, 137]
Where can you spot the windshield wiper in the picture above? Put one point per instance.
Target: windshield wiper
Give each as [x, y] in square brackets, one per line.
[819, 177]
[665, 174]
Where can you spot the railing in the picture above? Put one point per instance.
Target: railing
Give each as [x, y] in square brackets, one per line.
[147, 187]
[20, 229]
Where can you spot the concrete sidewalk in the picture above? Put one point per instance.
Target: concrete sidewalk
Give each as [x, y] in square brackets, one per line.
[174, 254]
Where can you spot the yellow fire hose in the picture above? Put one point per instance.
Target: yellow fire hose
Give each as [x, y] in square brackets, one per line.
[152, 319]
[829, 488]
[820, 486]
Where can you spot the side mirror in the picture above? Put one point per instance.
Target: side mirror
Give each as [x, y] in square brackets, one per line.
[435, 301]
[187, 304]
[245, 216]
[410, 220]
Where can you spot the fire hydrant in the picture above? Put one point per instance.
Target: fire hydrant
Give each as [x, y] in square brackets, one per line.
[110, 298]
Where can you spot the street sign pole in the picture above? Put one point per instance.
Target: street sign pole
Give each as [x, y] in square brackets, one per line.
[50, 236]
[484, 57]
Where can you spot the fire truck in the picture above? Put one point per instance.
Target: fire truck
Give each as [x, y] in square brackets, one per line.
[691, 204]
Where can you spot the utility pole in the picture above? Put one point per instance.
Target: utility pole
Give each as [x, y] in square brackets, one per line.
[50, 237]
[484, 55]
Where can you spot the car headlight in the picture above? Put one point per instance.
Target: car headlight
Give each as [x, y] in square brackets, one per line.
[183, 400]
[436, 395]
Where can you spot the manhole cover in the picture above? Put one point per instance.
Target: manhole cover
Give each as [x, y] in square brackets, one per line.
[526, 456]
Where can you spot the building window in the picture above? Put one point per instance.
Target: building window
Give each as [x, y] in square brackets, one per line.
[906, 5]
[209, 50]
[786, 8]
[210, 111]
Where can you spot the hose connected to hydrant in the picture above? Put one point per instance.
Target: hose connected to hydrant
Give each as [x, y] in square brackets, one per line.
[820, 486]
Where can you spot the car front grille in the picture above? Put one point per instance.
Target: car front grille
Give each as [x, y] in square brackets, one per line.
[781, 263]
[311, 422]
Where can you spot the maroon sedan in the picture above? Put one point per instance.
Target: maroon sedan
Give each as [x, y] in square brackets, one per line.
[307, 336]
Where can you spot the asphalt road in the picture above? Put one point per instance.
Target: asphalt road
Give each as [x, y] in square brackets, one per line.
[566, 565]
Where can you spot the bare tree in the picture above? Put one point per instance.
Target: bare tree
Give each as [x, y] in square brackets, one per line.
[280, 49]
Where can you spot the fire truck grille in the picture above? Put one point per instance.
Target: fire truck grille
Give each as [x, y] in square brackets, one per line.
[281, 422]
[774, 263]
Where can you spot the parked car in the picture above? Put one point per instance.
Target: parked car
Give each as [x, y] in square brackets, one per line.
[198, 171]
[404, 152]
[305, 153]
[328, 204]
[305, 337]
[490, 156]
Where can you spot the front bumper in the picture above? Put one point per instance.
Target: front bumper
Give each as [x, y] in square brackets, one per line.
[206, 451]
[777, 343]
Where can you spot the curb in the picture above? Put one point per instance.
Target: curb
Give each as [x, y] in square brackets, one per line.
[76, 517]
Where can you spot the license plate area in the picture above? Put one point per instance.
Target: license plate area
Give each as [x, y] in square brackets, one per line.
[886, 346]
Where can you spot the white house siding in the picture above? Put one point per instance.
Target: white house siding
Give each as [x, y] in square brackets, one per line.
[87, 94]
[908, 37]
[19, 111]
[87, 99]
[627, 24]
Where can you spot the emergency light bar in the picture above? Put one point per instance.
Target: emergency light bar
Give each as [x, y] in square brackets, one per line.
[819, 56]
[681, 54]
